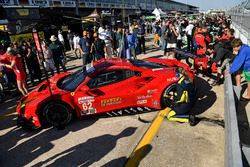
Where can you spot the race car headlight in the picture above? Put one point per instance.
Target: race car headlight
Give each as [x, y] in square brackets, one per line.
[26, 102]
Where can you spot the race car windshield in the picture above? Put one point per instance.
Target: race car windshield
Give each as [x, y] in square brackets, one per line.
[146, 64]
[72, 81]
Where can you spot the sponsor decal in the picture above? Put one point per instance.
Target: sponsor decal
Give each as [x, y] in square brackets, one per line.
[87, 105]
[87, 112]
[172, 79]
[155, 103]
[111, 101]
[157, 69]
[144, 97]
[144, 101]
[85, 99]
[152, 91]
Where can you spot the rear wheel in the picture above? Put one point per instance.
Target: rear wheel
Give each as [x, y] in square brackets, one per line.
[168, 94]
[57, 113]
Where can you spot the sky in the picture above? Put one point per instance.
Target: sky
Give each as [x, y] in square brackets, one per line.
[212, 4]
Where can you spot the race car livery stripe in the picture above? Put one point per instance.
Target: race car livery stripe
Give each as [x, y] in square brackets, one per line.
[139, 151]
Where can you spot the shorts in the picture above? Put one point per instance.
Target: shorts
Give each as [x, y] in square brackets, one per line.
[171, 45]
[247, 75]
[20, 76]
[157, 37]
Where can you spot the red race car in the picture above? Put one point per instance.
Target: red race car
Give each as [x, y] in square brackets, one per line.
[113, 86]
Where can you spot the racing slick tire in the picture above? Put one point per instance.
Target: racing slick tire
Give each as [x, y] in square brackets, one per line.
[167, 96]
[57, 113]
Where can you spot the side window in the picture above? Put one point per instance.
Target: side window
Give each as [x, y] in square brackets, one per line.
[110, 77]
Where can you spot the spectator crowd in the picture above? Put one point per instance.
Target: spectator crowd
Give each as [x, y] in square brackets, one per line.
[209, 39]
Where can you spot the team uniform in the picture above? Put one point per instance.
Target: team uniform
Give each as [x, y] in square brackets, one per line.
[18, 68]
[183, 101]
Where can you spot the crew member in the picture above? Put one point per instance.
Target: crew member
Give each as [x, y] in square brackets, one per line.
[201, 41]
[17, 66]
[184, 99]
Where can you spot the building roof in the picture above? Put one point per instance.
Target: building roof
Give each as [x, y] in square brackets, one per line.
[182, 3]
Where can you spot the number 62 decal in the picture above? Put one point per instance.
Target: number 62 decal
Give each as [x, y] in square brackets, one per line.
[87, 106]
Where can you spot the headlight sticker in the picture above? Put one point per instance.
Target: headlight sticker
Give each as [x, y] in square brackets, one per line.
[26, 102]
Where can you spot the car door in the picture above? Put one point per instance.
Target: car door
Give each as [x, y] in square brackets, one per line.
[106, 91]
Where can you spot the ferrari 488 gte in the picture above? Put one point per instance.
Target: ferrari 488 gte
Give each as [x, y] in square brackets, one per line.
[113, 86]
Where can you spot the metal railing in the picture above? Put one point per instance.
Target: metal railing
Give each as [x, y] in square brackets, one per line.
[233, 153]
[240, 16]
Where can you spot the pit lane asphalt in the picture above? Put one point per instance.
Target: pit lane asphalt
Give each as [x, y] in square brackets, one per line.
[105, 141]
[93, 141]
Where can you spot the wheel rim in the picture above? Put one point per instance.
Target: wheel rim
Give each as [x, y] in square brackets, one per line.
[168, 95]
[57, 114]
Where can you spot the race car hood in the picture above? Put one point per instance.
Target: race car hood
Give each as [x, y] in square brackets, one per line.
[42, 90]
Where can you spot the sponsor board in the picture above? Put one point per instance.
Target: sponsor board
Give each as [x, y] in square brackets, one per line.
[44, 3]
[111, 101]
[19, 38]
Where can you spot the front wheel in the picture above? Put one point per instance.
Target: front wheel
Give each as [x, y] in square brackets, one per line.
[57, 113]
[168, 94]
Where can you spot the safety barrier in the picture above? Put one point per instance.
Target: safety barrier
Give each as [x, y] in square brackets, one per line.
[240, 16]
[233, 154]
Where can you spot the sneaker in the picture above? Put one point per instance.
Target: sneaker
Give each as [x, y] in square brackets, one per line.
[192, 120]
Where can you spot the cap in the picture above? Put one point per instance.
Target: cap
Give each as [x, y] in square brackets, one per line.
[53, 38]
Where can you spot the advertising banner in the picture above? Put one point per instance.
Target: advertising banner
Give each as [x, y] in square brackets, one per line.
[22, 13]
[37, 41]
[43, 3]
[68, 3]
[19, 38]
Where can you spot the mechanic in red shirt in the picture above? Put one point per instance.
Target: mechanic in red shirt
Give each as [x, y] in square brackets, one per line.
[15, 63]
[9, 73]
[202, 39]
[228, 34]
